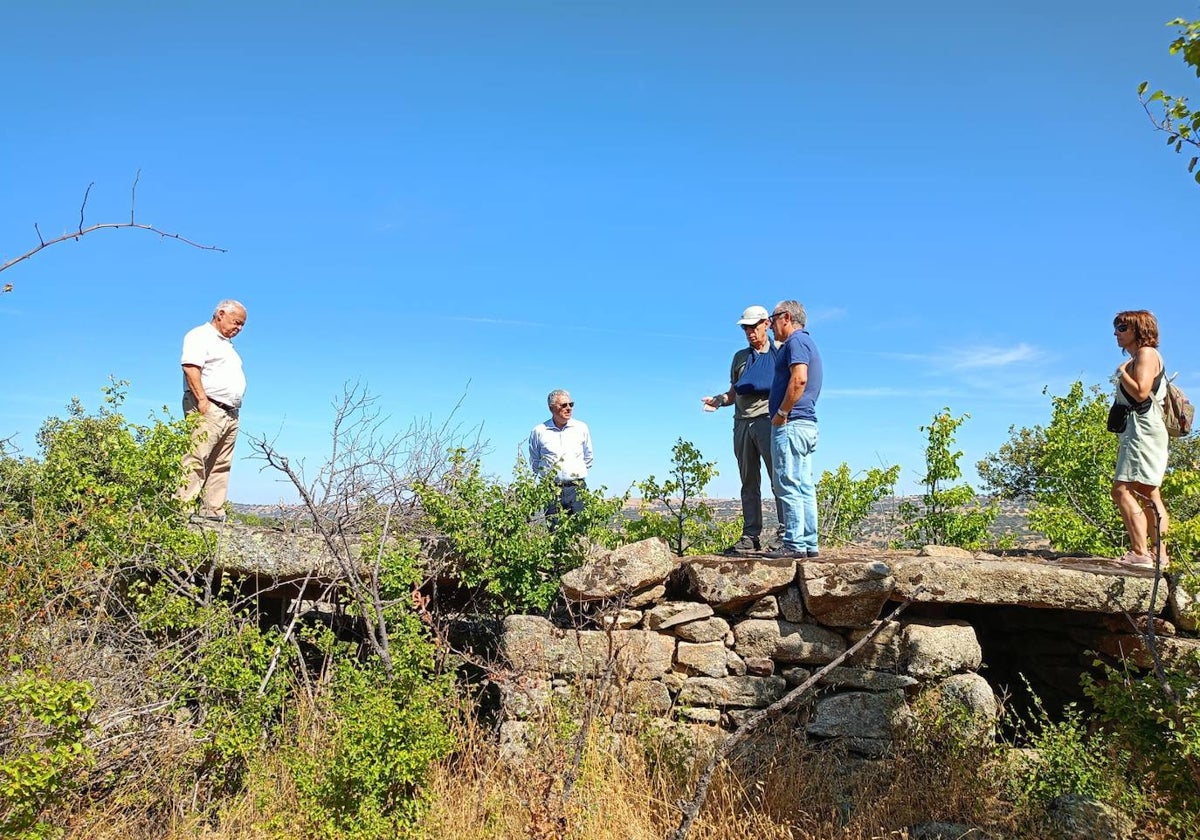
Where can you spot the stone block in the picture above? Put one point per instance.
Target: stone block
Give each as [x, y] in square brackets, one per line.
[786, 642]
[845, 594]
[732, 584]
[706, 630]
[610, 575]
[745, 692]
[666, 615]
[940, 648]
[706, 658]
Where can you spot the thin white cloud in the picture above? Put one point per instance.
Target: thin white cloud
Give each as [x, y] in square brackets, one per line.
[972, 358]
[991, 357]
[889, 392]
[833, 313]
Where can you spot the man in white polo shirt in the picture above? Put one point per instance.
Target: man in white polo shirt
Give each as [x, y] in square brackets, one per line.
[213, 385]
[562, 446]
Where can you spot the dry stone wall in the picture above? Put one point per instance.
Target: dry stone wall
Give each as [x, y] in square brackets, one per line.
[708, 640]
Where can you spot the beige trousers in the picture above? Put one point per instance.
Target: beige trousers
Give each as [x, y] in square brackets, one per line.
[207, 465]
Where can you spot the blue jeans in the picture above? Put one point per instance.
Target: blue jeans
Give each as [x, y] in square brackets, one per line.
[792, 446]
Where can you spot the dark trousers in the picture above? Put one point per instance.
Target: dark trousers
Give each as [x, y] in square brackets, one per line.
[752, 444]
[568, 501]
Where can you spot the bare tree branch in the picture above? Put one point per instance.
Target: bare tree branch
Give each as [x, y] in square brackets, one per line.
[83, 231]
[691, 809]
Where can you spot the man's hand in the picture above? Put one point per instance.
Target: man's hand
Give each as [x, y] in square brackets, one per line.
[710, 403]
[778, 419]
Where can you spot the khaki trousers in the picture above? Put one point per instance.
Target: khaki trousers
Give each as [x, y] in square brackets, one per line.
[207, 465]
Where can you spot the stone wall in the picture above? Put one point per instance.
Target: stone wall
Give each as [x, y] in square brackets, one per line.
[708, 640]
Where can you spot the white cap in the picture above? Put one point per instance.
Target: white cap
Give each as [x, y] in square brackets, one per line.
[753, 315]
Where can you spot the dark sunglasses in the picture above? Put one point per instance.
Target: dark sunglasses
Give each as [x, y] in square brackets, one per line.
[775, 315]
[566, 405]
[1122, 327]
[748, 327]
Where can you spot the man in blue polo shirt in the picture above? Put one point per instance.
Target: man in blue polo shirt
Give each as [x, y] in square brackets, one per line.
[793, 402]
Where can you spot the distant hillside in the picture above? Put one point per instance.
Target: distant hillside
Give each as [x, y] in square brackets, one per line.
[882, 526]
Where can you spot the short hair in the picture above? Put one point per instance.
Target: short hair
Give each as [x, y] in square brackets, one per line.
[557, 392]
[1144, 324]
[794, 308]
[227, 304]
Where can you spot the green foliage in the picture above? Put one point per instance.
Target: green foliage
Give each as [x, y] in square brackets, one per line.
[1065, 471]
[1069, 758]
[844, 501]
[222, 665]
[42, 724]
[378, 738]
[1159, 722]
[689, 525]
[1180, 123]
[500, 533]
[948, 514]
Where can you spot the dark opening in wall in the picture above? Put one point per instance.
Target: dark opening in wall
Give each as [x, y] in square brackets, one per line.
[1024, 650]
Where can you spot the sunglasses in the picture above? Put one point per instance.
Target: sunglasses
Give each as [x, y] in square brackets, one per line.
[749, 327]
[565, 405]
[1122, 327]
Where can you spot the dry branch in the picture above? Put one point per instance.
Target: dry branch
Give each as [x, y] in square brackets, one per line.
[692, 808]
[83, 231]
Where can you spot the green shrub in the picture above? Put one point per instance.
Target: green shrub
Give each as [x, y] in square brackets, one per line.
[42, 724]
[359, 771]
[844, 501]
[500, 533]
[1158, 724]
[947, 514]
[689, 525]
[1069, 758]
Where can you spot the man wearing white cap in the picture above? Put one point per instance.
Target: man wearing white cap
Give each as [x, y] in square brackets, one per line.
[750, 378]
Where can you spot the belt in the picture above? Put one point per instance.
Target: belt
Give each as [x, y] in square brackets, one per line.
[228, 409]
[575, 482]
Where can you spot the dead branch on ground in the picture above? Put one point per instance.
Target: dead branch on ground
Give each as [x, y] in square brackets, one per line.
[691, 809]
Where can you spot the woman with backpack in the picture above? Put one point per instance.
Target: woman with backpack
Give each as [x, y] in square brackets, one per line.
[1142, 450]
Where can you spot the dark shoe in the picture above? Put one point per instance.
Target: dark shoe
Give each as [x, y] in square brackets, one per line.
[785, 553]
[744, 546]
[813, 554]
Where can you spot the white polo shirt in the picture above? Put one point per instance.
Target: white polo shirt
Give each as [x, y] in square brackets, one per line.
[220, 365]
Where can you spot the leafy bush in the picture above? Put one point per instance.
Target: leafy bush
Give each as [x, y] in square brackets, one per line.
[844, 501]
[42, 724]
[500, 533]
[947, 514]
[1158, 722]
[689, 525]
[1065, 470]
[361, 762]
[1069, 758]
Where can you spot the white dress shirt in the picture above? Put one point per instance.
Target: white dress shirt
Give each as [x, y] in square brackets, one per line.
[567, 452]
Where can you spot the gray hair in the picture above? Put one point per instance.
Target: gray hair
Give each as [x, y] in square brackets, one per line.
[794, 308]
[227, 304]
[557, 392]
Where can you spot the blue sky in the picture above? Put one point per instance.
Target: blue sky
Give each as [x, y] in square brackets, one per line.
[479, 202]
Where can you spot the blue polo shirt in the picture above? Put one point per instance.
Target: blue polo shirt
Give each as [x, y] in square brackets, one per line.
[797, 350]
